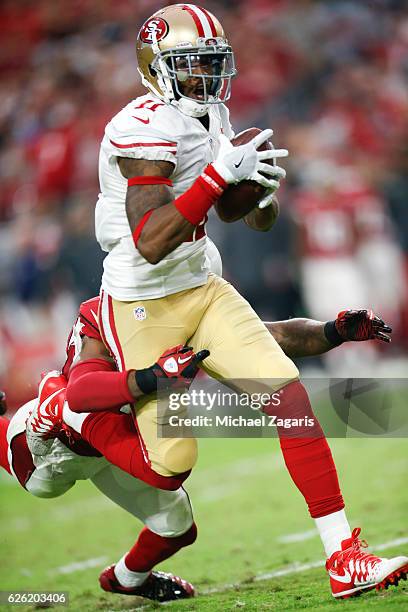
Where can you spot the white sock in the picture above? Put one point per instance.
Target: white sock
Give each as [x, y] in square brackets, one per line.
[333, 529]
[74, 419]
[126, 577]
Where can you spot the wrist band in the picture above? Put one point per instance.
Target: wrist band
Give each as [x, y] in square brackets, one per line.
[215, 180]
[203, 193]
[331, 333]
[146, 380]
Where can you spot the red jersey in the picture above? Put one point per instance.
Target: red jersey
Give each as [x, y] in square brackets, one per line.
[336, 224]
[327, 227]
[86, 324]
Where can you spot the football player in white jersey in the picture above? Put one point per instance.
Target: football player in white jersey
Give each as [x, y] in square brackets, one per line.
[165, 159]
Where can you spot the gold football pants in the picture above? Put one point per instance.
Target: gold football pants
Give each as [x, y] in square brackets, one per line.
[214, 316]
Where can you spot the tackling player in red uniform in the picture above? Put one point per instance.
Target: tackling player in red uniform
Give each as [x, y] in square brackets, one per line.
[109, 453]
[94, 385]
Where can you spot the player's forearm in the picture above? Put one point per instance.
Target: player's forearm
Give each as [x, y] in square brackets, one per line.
[157, 226]
[263, 219]
[300, 337]
[94, 386]
[165, 230]
[160, 222]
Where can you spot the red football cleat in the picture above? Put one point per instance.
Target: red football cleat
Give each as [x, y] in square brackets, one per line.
[45, 422]
[353, 571]
[158, 586]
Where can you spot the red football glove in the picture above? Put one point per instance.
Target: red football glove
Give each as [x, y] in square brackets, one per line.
[357, 325]
[175, 369]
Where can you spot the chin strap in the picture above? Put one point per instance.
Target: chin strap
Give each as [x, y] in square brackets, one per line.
[187, 107]
[191, 108]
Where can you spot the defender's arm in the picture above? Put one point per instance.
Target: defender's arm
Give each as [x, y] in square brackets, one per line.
[94, 385]
[306, 338]
[300, 337]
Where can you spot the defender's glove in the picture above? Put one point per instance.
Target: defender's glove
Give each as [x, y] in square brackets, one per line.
[245, 162]
[175, 369]
[356, 325]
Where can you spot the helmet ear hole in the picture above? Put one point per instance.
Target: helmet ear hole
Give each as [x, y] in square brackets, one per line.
[152, 71]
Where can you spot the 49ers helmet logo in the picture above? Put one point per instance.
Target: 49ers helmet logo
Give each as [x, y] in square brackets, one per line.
[153, 30]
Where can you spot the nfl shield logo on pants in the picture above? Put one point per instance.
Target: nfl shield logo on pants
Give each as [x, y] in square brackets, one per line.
[140, 313]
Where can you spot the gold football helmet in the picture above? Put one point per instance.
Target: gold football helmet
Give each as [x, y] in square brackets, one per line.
[182, 42]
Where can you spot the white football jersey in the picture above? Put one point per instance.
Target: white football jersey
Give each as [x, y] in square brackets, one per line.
[147, 128]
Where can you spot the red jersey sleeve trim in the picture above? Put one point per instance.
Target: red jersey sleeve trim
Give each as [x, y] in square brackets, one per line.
[143, 144]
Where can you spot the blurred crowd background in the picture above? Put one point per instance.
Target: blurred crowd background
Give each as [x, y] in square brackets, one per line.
[329, 77]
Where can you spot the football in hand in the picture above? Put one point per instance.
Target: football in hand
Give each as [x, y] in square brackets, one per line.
[238, 200]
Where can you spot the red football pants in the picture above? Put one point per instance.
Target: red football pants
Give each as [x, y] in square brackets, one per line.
[117, 438]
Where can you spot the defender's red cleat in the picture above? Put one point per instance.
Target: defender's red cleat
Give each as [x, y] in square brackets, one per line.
[353, 571]
[158, 586]
[45, 422]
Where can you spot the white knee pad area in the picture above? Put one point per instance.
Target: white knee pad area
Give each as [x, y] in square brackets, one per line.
[43, 483]
[174, 514]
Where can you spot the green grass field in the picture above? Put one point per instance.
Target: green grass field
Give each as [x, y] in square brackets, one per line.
[244, 504]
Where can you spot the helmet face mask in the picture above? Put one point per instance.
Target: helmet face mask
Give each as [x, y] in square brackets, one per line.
[202, 75]
[184, 58]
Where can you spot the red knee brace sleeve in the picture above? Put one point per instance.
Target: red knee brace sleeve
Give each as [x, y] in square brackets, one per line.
[95, 385]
